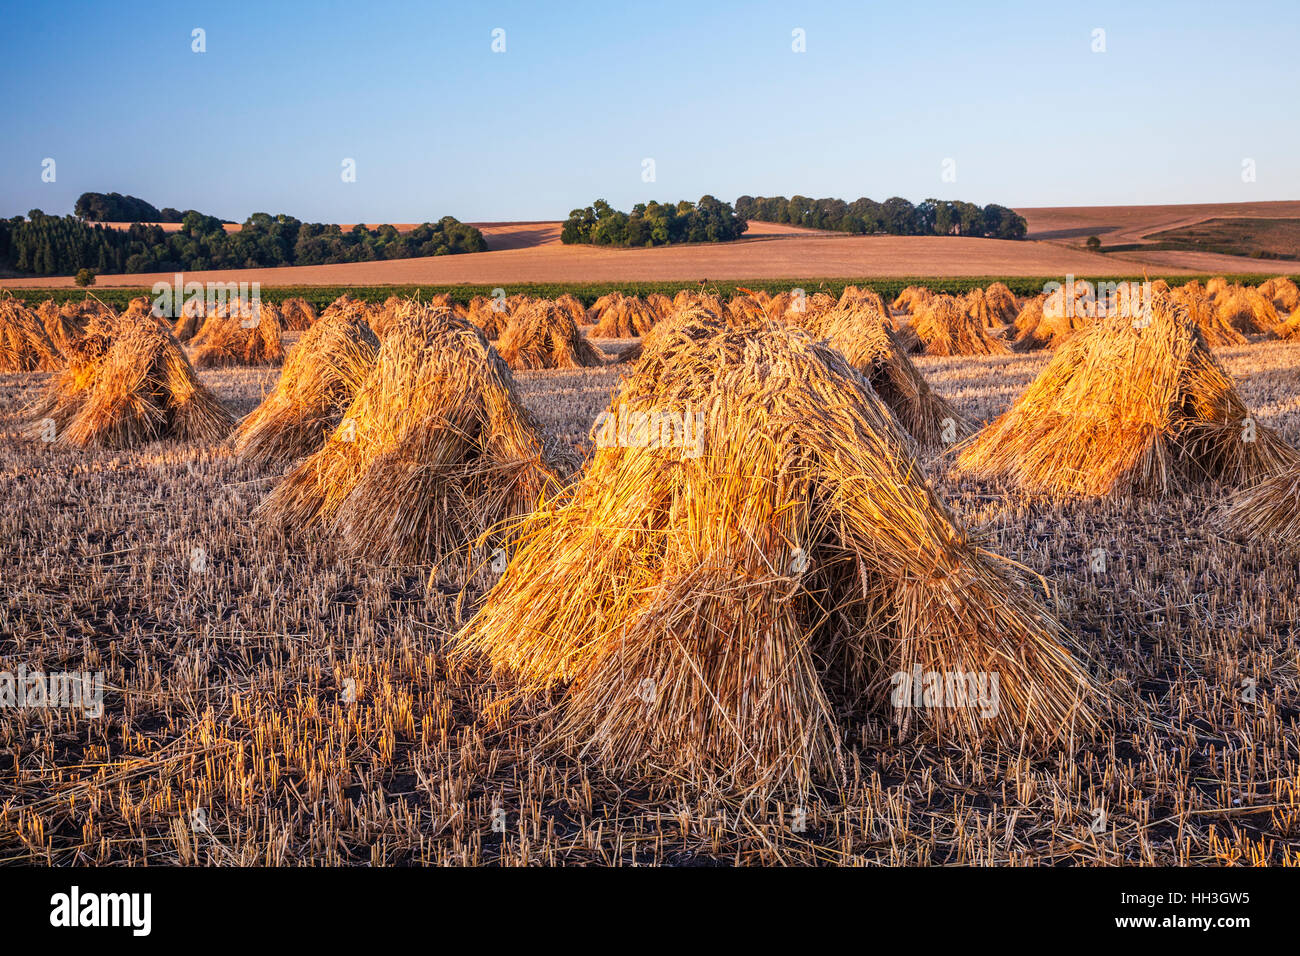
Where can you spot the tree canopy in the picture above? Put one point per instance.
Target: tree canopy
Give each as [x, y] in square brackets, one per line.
[55, 245]
[654, 223]
[114, 207]
[895, 216]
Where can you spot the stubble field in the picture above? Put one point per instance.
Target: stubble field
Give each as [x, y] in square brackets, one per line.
[277, 703]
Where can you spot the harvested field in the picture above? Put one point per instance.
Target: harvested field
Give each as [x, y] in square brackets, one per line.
[304, 701]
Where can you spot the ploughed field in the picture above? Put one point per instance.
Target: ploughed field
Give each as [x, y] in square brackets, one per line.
[283, 704]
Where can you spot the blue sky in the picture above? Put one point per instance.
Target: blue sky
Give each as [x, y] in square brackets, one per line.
[439, 124]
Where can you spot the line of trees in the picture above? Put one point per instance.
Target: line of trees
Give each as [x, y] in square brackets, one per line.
[654, 223]
[895, 216]
[62, 245]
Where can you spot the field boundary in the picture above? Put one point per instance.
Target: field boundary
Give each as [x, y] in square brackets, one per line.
[322, 295]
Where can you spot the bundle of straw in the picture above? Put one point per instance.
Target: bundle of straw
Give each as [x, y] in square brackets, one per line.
[25, 346]
[1288, 328]
[187, 325]
[1128, 410]
[721, 617]
[854, 297]
[1002, 303]
[600, 305]
[747, 308]
[235, 336]
[945, 326]
[140, 306]
[65, 324]
[660, 305]
[799, 310]
[1214, 325]
[1044, 323]
[382, 318]
[690, 298]
[624, 317]
[1246, 309]
[541, 336]
[1270, 509]
[298, 314]
[346, 303]
[128, 382]
[976, 304]
[490, 315]
[863, 336]
[321, 377]
[1282, 292]
[572, 306]
[1216, 285]
[434, 451]
[911, 298]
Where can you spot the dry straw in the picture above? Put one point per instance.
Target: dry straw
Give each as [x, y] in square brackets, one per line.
[1282, 292]
[911, 298]
[798, 309]
[864, 337]
[977, 307]
[747, 307]
[346, 303]
[1126, 408]
[946, 326]
[696, 299]
[784, 307]
[492, 315]
[434, 451]
[1246, 309]
[572, 306]
[1288, 328]
[297, 315]
[1044, 323]
[233, 335]
[321, 377]
[191, 320]
[855, 297]
[379, 318]
[724, 618]
[25, 346]
[128, 382]
[142, 307]
[624, 317]
[542, 336]
[600, 305]
[660, 304]
[1215, 328]
[1002, 303]
[67, 323]
[1270, 509]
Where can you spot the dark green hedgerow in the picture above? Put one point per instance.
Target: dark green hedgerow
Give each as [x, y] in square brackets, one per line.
[322, 295]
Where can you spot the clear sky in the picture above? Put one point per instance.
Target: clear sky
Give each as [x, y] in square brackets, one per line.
[713, 92]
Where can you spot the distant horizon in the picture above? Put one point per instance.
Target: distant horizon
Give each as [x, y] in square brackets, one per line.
[1011, 103]
[559, 219]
